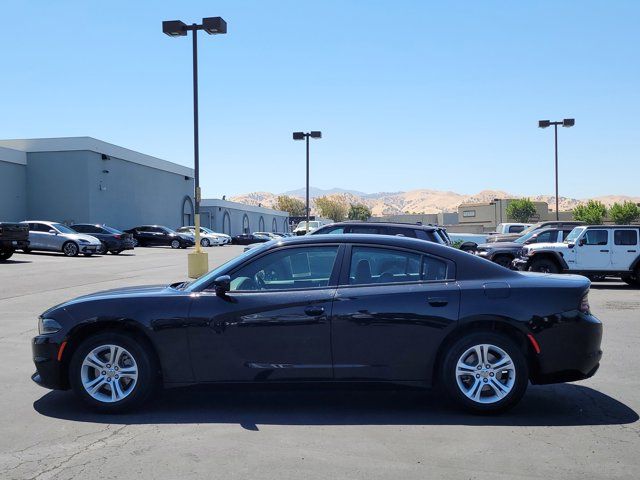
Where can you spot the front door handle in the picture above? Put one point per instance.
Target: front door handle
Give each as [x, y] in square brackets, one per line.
[314, 311]
[604, 251]
[437, 301]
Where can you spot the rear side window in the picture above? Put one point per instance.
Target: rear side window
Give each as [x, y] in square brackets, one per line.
[516, 228]
[363, 229]
[371, 265]
[80, 228]
[404, 232]
[625, 237]
[327, 231]
[428, 236]
[596, 237]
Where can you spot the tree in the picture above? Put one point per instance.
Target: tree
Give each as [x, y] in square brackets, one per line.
[624, 214]
[591, 213]
[331, 208]
[359, 211]
[521, 209]
[294, 206]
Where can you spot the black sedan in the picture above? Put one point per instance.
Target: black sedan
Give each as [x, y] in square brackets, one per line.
[248, 238]
[318, 308]
[111, 239]
[157, 235]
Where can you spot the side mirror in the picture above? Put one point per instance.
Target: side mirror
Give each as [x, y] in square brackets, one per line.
[53, 231]
[528, 241]
[222, 285]
[583, 241]
[571, 245]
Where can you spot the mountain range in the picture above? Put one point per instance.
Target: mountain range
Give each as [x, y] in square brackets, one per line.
[416, 201]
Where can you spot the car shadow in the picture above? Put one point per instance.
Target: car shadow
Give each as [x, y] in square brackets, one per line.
[59, 254]
[611, 286]
[549, 405]
[10, 261]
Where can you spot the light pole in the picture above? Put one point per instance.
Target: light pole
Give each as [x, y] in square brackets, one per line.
[198, 260]
[567, 122]
[305, 136]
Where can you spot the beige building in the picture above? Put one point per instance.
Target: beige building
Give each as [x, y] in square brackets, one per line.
[489, 215]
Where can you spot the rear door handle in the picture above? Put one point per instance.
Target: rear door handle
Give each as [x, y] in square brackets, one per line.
[604, 251]
[437, 301]
[314, 311]
[631, 251]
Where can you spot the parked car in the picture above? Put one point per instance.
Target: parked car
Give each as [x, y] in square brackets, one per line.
[111, 239]
[468, 241]
[536, 226]
[503, 253]
[207, 237]
[429, 233]
[248, 238]
[507, 228]
[301, 228]
[339, 308]
[157, 235]
[592, 250]
[56, 237]
[13, 236]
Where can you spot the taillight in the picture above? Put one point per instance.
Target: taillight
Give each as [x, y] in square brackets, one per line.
[584, 304]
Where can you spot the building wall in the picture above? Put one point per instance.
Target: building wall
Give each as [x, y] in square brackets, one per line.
[489, 215]
[13, 191]
[80, 186]
[234, 218]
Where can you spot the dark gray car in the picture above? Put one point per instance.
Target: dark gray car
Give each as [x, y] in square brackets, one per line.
[510, 237]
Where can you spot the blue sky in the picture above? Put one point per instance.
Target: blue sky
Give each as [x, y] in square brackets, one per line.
[408, 94]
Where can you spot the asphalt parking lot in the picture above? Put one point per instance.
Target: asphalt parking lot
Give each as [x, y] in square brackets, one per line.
[584, 430]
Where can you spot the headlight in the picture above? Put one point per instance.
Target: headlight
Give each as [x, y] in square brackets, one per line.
[47, 326]
[82, 240]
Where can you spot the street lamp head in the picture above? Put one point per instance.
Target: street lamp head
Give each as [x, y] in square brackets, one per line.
[568, 122]
[315, 134]
[298, 135]
[174, 28]
[214, 25]
[544, 123]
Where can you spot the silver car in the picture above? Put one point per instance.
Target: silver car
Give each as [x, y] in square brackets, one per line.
[56, 237]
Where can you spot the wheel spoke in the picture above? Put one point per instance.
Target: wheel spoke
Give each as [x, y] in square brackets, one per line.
[475, 391]
[90, 384]
[504, 364]
[116, 390]
[500, 389]
[94, 362]
[97, 387]
[464, 369]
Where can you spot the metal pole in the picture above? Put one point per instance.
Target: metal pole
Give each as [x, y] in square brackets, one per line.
[307, 139]
[555, 126]
[196, 150]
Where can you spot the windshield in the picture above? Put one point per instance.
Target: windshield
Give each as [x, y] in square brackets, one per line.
[533, 227]
[575, 233]
[62, 228]
[216, 272]
[112, 230]
[526, 237]
[206, 230]
[168, 230]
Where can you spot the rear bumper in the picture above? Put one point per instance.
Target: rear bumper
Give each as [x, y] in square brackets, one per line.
[12, 244]
[48, 369]
[570, 347]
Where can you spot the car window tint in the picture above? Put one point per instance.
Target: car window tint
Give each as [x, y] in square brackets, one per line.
[516, 228]
[546, 237]
[334, 230]
[287, 269]
[405, 232]
[564, 235]
[363, 229]
[625, 237]
[39, 227]
[596, 237]
[433, 268]
[80, 228]
[380, 265]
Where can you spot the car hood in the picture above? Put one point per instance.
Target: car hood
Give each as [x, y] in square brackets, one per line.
[548, 246]
[496, 245]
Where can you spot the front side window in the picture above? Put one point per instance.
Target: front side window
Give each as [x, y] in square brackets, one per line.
[596, 237]
[370, 265]
[546, 237]
[287, 269]
[625, 237]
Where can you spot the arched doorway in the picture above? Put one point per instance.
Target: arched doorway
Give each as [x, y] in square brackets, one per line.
[285, 226]
[226, 223]
[274, 226]
[261, 224]
[245, 224]
[187, 211]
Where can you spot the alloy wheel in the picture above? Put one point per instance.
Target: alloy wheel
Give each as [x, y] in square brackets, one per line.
[109, 373]
[175, 244]
[485, 373]
[70, 249]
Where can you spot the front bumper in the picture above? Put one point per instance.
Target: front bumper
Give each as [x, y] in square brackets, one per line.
[49, 370]
[570, 347]
[88, 247]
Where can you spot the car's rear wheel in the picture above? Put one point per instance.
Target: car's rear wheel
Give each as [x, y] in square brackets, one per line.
[116, 252]
[175, 244]
[102, 249]
[485, 372]
[136, 243]
[544, 265]
[26, 250]
[6, 255]
[503, 260]
[632, 279]
[70, 249]
[205, 242]
[113, 372]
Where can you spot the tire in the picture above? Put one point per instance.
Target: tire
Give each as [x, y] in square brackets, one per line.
[88, 254]
[70, 249]
[26, 250]
[5, 255]
[136, 385]
[102, 250]
[205, 242]
[487, 390]
[175, 244]
[503, 260]
[116, 252]
[544, 265]
[469, 247]
[136, 243]
[632, 279]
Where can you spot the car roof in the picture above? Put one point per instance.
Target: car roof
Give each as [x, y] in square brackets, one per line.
[38, 221]
[610, 226]
[388, 224]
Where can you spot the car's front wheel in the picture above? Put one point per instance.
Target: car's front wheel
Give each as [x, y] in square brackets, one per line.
[503, 260]
[485, 372]
[175, 244]
[113, 372]
[70, 249]
[544, 265]
[205, 242]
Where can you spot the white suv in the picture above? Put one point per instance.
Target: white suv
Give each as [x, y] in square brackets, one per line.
[593, 251]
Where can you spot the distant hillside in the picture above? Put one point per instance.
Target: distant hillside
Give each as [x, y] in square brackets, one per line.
[416, 201]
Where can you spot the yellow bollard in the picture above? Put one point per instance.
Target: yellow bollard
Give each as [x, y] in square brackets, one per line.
[198, 261]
